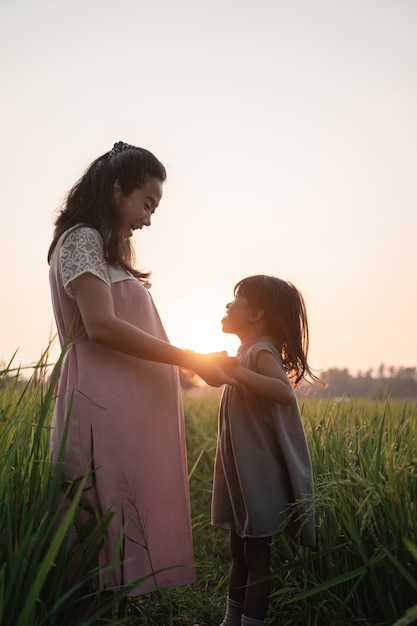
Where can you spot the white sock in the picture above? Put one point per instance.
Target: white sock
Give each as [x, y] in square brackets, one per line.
[250, 621]
[234, 612]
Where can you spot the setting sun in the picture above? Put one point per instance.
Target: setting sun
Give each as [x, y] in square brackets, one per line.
[194, 323]
[309, 177]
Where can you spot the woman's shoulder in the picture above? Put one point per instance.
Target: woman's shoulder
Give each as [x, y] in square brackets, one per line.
[82, 234]
[81, 240]
[80, 251]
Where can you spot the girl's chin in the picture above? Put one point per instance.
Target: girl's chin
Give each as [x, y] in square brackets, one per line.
[225, 328]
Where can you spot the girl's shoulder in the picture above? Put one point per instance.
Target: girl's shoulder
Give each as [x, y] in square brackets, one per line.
[260, 343]
[249, 350]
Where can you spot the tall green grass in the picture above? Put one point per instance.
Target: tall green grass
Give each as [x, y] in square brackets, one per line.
[364, 456]
[364, 570]
[43, 580]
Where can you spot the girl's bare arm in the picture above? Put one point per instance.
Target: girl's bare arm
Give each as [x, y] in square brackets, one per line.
[269, 381]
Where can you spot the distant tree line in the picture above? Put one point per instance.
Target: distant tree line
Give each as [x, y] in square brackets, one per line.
[373, 384]
[399, 383]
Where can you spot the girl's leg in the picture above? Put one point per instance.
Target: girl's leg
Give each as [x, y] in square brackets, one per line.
[233, 614]
[238, 570]
[237, 583]
[257, 557]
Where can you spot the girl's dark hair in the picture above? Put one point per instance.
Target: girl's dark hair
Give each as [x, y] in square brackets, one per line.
[91, 200]
[286, 317]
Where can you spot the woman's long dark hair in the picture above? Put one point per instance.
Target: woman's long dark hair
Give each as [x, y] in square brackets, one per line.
[91, 200]
[286, 317]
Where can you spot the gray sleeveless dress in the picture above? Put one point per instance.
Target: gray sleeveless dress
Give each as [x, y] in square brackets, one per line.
[262, 462]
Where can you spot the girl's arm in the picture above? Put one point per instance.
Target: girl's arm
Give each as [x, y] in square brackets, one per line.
[269, 381]
[95, 302]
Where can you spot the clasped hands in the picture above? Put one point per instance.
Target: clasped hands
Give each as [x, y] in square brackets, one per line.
[212, 368]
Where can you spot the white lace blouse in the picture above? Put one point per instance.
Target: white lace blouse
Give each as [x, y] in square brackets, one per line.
[82, 252]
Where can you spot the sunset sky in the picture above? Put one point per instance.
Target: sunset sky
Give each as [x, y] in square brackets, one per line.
[289, 132]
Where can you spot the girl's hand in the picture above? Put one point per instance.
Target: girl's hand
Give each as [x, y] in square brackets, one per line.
[269, 380]
[211, 368]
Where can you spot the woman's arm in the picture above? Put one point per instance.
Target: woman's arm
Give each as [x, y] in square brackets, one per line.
[269, 381]
[95, 302]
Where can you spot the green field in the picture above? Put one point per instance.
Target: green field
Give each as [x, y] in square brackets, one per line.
[364, 571]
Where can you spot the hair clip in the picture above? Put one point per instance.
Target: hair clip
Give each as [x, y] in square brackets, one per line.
[119, 147]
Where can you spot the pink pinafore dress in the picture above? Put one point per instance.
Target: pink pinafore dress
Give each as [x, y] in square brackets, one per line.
[127, 414]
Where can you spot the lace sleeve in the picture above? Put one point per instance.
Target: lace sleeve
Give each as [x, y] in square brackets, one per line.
[82, 252]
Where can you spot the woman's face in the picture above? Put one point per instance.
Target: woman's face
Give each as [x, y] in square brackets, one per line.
[138, 207]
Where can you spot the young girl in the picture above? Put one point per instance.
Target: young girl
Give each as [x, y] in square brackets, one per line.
[262, 461]
[118, 380]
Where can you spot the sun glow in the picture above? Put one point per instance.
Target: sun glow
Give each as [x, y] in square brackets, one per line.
[194, 323]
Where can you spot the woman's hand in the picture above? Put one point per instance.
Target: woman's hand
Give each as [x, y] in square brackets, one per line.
[212, 368]
[95, 302]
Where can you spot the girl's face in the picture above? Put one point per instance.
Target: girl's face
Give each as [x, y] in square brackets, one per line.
[238, 318]
[138, 207]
